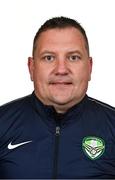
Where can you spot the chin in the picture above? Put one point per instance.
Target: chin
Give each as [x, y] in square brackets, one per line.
[61, 101]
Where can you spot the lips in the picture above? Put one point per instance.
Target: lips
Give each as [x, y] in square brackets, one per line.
[61, 83]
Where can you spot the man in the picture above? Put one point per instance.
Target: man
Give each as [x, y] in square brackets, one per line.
[58, 131]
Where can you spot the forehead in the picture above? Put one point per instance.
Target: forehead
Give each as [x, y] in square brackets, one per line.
[61, 38]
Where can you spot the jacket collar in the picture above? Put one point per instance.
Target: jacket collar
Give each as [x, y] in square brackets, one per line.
[50, 116]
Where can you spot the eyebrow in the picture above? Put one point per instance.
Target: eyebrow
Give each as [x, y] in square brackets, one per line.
[47, 52]
[75, 52]
[69, 52]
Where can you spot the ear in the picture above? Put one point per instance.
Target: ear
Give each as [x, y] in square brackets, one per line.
[31, 67]
[90, 67]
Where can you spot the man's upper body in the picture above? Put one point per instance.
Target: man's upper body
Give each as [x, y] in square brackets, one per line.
[36, 142]
[58, 132]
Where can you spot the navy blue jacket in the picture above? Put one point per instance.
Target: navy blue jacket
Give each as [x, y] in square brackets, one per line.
[36, 142]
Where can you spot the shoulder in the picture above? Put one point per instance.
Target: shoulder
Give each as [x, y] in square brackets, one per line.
[101, 108]
[100, 104]
[13, 113]
[14, 102]
[14, 106]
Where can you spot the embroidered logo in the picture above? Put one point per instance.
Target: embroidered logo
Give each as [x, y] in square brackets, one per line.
[93, 147]
[13, 146]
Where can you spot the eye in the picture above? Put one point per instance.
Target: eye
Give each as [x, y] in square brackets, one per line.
[74, 57]
[49, 58]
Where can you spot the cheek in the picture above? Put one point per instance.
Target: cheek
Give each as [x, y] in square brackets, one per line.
[82, 73]
[40, 75]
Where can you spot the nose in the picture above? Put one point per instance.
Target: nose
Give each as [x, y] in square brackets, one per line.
[61, 67]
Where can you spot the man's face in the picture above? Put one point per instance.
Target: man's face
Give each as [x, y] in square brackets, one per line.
[61, 67]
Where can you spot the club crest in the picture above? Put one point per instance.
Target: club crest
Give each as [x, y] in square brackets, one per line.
[93, 147]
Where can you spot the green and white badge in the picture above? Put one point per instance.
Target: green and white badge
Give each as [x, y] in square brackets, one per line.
[93, 147]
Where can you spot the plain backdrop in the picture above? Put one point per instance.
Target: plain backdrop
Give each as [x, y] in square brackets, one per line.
[19, 21]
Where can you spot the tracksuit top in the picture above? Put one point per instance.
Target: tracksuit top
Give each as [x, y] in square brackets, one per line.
[38, 143]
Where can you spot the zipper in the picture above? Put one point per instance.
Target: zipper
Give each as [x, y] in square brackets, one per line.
[56, 152]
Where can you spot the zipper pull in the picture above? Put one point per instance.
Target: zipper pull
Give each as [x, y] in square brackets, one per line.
[57, 130]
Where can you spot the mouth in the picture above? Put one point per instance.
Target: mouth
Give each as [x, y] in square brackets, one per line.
[61, 83]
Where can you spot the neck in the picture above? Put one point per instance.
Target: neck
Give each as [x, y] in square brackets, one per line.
[63, 108]
[60, 108]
